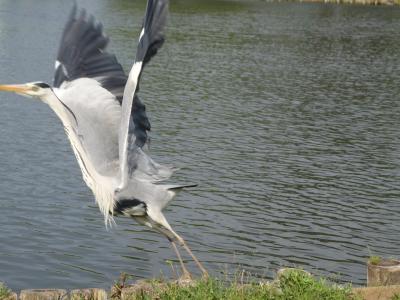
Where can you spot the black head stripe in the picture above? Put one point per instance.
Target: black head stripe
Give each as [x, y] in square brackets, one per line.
[42, 85]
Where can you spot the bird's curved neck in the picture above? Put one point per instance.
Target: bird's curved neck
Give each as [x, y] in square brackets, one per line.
[69, 121]
[97, 183]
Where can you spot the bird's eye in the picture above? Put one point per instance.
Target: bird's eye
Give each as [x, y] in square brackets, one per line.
[35, 88]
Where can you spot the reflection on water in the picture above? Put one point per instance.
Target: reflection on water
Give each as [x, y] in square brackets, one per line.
[285, 114]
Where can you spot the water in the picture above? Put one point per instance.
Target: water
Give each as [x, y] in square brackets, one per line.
[287, 115]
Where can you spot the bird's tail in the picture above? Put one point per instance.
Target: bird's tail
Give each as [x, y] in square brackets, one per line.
[172, 190]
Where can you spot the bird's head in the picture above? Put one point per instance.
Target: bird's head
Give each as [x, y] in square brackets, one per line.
[31, 89]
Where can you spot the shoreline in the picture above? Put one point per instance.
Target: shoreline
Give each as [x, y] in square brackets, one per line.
[354, 2]
[289, 283]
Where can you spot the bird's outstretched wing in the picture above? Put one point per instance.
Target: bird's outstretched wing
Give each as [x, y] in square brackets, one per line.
[133, 161]
[90, 83]
[82, 54]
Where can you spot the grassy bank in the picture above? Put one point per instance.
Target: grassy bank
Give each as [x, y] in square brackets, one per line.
[363, 2]
[291, 284]
[4, 291]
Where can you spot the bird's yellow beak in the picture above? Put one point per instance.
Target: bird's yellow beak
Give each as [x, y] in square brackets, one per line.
[16, 88]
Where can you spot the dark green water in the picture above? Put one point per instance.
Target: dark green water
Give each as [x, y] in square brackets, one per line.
[287, 115]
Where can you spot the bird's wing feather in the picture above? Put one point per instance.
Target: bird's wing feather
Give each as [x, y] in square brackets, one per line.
[82, 54]
[133, 161]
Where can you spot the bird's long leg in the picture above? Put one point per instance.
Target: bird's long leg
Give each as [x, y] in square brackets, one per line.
[203, 270]
[162, 226]
[185, 272]
[186, 247]
[171, 235]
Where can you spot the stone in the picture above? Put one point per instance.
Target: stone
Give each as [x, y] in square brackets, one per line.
[383, 272]
[378, 292]
[273, 286]
[88, 294]
[143, 287]
[129, 292]
[44, 294]
[285, 271]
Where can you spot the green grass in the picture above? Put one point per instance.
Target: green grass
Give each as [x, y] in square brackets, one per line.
[83, 296]
[293, 285]
[298, 285]
[395, 297]
[4, 291]
[374, 260]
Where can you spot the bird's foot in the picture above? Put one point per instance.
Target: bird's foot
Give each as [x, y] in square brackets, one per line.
[205, 276]
[185, 279]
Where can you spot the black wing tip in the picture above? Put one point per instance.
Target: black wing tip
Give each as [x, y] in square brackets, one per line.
[156, 15]
[153, 26]
[82, 51]
[74, 10]
[80, 14]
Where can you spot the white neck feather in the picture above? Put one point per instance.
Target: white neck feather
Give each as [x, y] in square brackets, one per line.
[100, 185]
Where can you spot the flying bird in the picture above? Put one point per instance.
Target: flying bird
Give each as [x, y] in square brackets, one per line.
[106, 122]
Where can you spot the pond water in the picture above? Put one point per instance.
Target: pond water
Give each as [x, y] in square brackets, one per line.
[286, 115]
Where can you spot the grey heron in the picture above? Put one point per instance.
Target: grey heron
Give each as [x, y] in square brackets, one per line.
[106, 122]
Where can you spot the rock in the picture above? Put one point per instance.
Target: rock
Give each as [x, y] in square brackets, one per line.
[378, 292]
[152, 288]
[286, 271]
[44, 294]
[384, 272]
[273, 286]
[88, 294]
[142, 287]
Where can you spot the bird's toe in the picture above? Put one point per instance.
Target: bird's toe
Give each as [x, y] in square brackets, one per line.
[186, 279]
